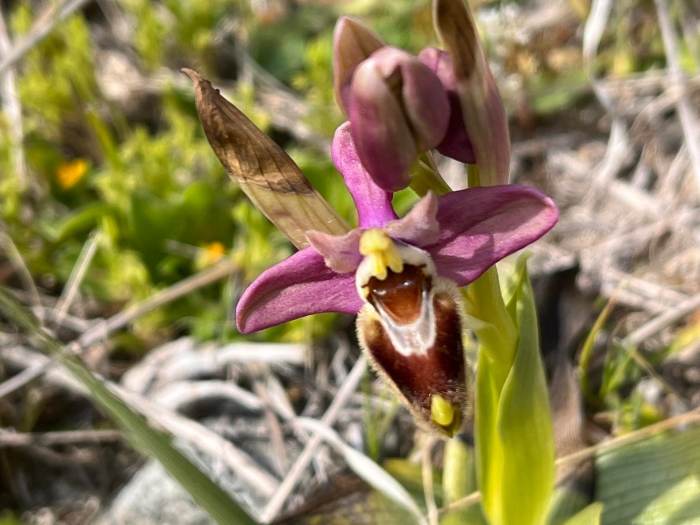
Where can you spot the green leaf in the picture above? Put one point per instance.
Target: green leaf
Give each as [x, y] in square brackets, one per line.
[515, 443]
[489, 449]
[459, 481]
[205, 492]
[587, 348]
[80, 221]
[655, 481]
[524, 420]
[566, 503]
[588, 516]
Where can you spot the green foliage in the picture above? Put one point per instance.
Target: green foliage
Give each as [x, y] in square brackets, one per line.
[654, 481]
[514, 440]
[157, 196]
[8, 518]
[588, 516]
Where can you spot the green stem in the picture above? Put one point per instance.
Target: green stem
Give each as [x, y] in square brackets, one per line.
[458, 481]
[499, 336]
[426, 177]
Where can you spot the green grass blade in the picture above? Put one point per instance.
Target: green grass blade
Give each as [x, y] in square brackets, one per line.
[144, 438]
[587, 348]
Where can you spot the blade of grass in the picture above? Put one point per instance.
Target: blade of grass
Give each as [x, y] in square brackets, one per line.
[587, 349]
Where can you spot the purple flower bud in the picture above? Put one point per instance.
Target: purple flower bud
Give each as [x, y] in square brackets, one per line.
[456, 143]
[398, 108]
[481, 104]
[353, 42]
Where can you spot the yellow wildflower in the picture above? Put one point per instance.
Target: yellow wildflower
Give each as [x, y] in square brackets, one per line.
[210, 253]
[70, 173]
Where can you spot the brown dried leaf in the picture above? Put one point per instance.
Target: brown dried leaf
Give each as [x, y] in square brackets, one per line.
[264, 171]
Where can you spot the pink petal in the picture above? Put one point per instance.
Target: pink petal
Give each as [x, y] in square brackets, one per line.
[373, 204]
[298, 286]
[456, 143]
[340, 253]
[419, 227]
[480, 226]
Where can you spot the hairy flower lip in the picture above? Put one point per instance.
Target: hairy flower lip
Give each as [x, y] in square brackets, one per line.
[423, 364]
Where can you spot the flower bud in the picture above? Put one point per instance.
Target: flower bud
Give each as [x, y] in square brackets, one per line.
[353, 42]
[398, 108]
[482, 107]
[456, 143]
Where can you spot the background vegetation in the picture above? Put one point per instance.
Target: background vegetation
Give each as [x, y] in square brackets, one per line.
[110, 193]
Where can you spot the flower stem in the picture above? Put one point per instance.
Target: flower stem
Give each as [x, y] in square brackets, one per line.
[458, 481]
[498, 335]
[425, 177]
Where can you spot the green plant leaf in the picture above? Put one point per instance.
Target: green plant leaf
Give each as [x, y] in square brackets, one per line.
[459, 481]
[655, 481]
[524, 419]
[203, 490]
[515, 443]
[588, 516]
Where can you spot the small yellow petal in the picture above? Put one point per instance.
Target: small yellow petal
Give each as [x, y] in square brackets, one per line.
[70, 173]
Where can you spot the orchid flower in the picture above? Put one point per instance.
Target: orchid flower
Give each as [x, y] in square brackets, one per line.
[401, 275]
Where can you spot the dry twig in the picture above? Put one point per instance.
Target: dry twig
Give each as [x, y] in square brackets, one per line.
[686, 115]
[274, 506]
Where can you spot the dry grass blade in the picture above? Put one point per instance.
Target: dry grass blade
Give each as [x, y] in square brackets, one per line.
[662, 321]
[466, 501]
[76, 277]
[688, 119]
[141, 435]
[12, 108]
[69, 437]
[206, 440]
[15, 258]
[276, 503]
[120, 320]
[367, 469]
[24, 377]
[264, 171]
[642, 433]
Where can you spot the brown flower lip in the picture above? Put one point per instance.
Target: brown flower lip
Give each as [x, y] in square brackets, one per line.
[429, 361]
